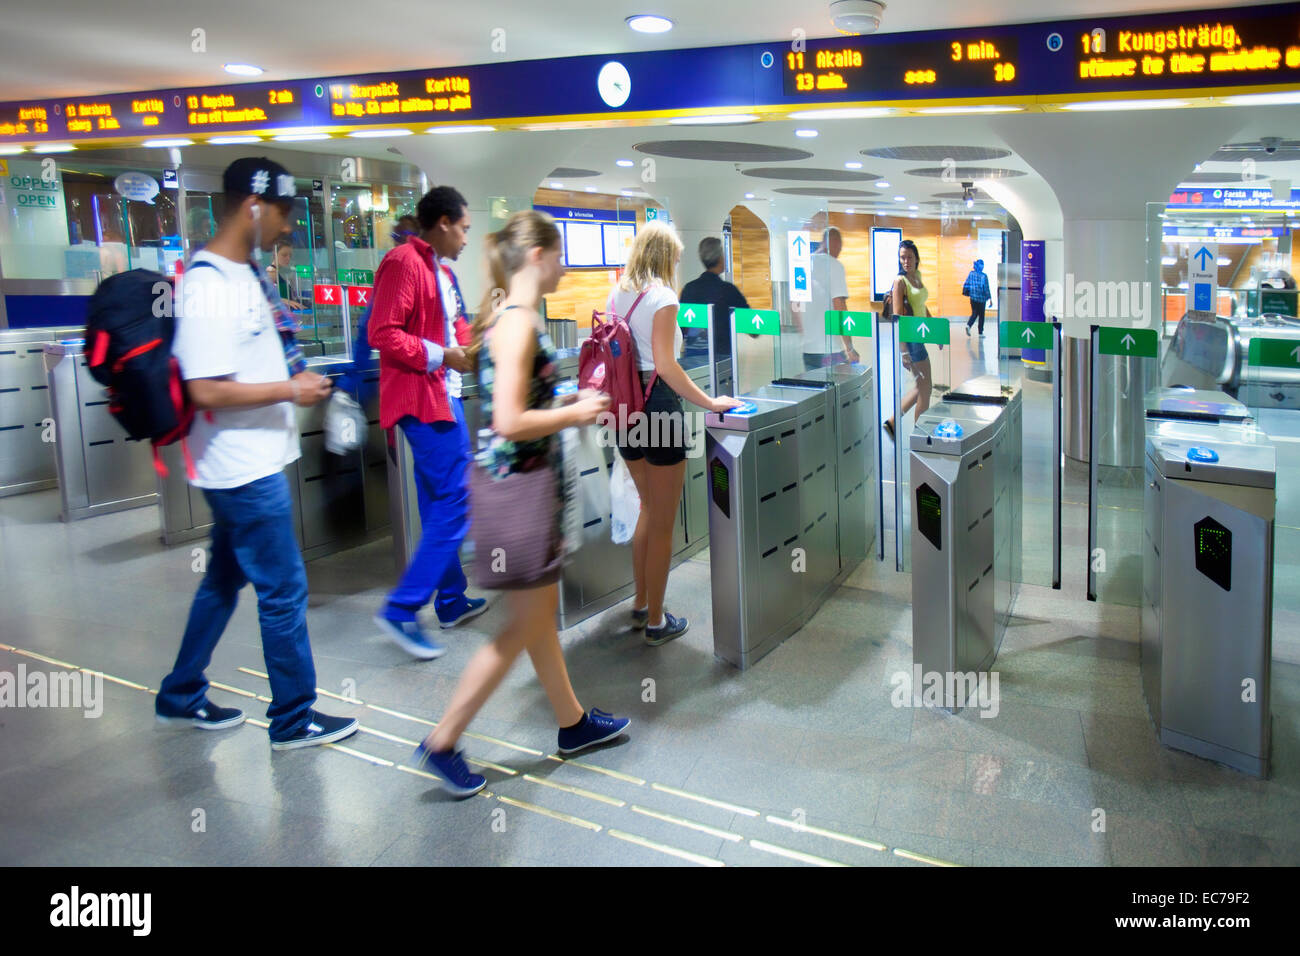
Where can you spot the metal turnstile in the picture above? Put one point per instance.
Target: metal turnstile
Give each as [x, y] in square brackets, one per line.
[965, 532]
[773, 523]
[1207, 610]
[856, 451]
[100, 469]
[26, 440]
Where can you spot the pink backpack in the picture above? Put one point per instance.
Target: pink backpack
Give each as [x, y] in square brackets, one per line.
[607, 363]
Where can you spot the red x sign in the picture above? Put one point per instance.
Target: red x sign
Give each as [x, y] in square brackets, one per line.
[328, 294]
[358, 295]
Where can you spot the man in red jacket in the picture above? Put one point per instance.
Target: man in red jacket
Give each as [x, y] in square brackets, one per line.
[419, 325]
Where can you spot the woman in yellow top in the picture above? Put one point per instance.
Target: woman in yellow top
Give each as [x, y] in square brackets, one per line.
[909, 288]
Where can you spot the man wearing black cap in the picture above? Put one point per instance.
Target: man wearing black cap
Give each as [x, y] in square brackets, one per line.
[234, 342]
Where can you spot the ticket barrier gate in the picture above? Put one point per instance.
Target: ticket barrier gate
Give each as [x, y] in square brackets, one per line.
[26, 454]
[773, 525]
[1207, 610]
[600, 572]
[965, 531]
[339, 501]
[856, 450]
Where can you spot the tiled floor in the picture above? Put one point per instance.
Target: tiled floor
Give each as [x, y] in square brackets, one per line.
[720, 766]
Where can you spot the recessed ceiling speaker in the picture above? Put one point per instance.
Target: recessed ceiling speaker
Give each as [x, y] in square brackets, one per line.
[857, 16]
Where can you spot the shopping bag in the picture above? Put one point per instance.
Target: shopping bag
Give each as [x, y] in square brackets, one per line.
[624, 502]
[345, 424]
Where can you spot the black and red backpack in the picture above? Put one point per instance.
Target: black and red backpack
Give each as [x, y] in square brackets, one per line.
[130, 325]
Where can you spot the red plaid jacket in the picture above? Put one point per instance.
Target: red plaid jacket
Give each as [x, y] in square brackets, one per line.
[406, 308]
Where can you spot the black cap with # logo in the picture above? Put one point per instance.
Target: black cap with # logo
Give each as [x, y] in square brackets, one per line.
[261, 177]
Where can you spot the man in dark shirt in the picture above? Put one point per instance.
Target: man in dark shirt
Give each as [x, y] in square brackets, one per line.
[711, 289]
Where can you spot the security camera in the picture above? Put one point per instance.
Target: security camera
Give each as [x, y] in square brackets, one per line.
[1270, 143]
[857, 16]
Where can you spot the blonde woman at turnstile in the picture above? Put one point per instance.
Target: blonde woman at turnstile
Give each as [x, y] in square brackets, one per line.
[909, 296]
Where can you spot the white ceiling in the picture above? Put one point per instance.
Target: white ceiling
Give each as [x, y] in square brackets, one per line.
[55, 48]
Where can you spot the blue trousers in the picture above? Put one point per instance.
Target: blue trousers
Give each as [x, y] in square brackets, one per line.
[252, 541]
[440, 451]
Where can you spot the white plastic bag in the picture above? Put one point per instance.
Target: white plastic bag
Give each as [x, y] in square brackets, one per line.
[583, 500]
[345, 424]
[624, 502]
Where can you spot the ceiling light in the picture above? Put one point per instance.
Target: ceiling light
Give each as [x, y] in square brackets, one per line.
[625, 192]
[749, 195]
[867, 112]
[805, 133]
[968, 194]
[882, 185]
[913, 207]
[849, 210]
[53, 148]
[243, 69]
[1223, 261]
[900, 199]
[852, 165]
[158, 143]
[557, 185]
[913, 215]
[855, 17]
[12, 150]
[719, 119]
[377, 133]
[299, 137]
[1107, 105]
[954, 110]
[1263, 99]
[624, 162]
[1168, 261]
[649, 23]
[233, 140]
[591, 189]
[440, 130]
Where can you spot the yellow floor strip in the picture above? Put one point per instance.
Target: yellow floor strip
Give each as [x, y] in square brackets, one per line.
[576, 791]
[625, 777]
[691, 824]
[489, 765]
[909, 855]
[554, 814]
[249, 670]
[720, 804]
[7, 647]
[369, 758]
[662, 848]
[256, 723]
[829, 834]
[47, 660]
[505, 743]
[339, 697]
[116, 680]
[400, 715]
[793, 854]
[236, 690]
[394, 739]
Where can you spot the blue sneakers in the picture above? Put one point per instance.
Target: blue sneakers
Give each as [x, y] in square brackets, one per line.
[596, 727]
[321, 729]
[639, 617]
[672, 627]
[450, 766]
[410, 637]
[207, 717]
[468, 608]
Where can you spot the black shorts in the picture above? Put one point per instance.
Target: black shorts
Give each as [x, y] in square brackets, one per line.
[665, 434]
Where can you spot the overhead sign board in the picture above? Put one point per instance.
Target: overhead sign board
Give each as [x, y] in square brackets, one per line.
[1202, 276]
[798, 249]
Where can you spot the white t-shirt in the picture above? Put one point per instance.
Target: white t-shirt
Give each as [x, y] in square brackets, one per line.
[449, 306]
[829, 282]
[642, 322]
[225, 328]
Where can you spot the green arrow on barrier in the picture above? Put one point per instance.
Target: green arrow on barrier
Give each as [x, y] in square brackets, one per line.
[1274, 353]
[692, 315]
[916, 328]
[1143, 343]
[757, 321]
[1025, 335]
[843, 322]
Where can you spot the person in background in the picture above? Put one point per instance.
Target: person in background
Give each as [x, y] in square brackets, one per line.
[645, 300]
[518, 491]
[977, 290]
[830, 290]
[280, 270]
[711, 289]
[418, 324]
[353, 379]
[909, 297]
[234, 362]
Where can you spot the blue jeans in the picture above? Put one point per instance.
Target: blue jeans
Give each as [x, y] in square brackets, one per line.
[440, 451]
[252, 541]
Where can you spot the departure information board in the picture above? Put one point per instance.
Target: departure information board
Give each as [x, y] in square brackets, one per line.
[400, 96]
[973, 63]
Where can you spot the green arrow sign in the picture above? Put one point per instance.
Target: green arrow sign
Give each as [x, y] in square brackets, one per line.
[841, 322]
[757, 321]
[1025, 335]
[692, 315]
[918, 328]
[1274, 353]
[304, 271]
[1144, 343]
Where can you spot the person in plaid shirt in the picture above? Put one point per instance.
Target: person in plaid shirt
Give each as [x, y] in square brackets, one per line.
[418, 324]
